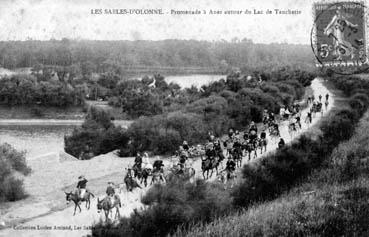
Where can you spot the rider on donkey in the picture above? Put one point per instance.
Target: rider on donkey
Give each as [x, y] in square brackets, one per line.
[230, 166]
[237, 147]
[138, 160]
[281, 143]
[158, 166]
[183, 156]
[209, 148]
[147, 164]
[185, 146]
[263, 134]
[298, 120]
[230, 133]
[110, 192]
[271, 117]
[218, 150]
[253, 127]
[81, 186]
[308, 117]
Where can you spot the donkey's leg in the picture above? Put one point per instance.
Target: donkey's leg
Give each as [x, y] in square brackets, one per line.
[75, 208]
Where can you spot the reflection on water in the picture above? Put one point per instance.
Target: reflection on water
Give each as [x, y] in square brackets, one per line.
[186, 81]
[35, 140]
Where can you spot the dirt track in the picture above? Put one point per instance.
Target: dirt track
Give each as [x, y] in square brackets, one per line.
[85, 219]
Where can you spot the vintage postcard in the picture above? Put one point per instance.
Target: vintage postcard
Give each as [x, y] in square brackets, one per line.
[184, 118]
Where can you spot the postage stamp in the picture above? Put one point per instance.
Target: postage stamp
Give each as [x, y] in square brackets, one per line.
[338, 36]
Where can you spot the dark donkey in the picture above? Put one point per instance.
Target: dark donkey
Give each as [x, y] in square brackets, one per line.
[130, 181]
[141, 173]
[108, 205]
[209, 165]
[74, 196]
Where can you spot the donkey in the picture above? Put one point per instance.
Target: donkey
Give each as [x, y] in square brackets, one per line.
[107, 205]
[209, 165]
[130, 181]
[74, 196]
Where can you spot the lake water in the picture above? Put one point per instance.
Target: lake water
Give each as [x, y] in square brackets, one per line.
[39, 139]
[36, 140]
[187, 81]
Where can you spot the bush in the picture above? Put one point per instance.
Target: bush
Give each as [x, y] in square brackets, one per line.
[178, 203]
[11, 189]
[16, 159]
[173, 128]
[96, 136]
[278, 172]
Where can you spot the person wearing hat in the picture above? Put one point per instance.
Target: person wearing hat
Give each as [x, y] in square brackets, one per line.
[147, 165]
[237, 147]
[281, 143]
[253, 127]
[230, 166]
[185, 146]
[81, 185]
[218, 150]
[138, 160]
[263, 134]
[110, 192]
[230, 133]
[271, 117]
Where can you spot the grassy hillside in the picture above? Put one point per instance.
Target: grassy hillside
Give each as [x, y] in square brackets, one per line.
[331, 201]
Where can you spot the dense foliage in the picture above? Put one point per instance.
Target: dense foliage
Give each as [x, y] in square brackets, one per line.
[97, 135]
[124, 56]
[31, 90]
[65, 72]
[261, 181]
[331, 202]
[11, 188]
[179, 202]
[223, 104]
[278, 172]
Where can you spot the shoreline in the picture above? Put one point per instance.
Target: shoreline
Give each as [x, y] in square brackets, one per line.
[54, 122]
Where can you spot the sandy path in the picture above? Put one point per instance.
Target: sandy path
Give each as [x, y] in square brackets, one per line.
[80, 223]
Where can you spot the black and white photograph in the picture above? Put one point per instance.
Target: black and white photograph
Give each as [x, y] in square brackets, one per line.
[184, 118]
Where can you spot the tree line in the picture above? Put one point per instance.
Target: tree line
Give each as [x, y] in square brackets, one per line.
[121, 57]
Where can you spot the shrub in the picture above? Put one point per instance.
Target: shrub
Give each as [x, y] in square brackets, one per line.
[11, 189]
[14, 158]
[97, 135]
[278, 172]
[146, 131]
[178, 203]
[167, 140]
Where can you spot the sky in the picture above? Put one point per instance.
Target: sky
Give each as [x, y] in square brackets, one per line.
[57, 19]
